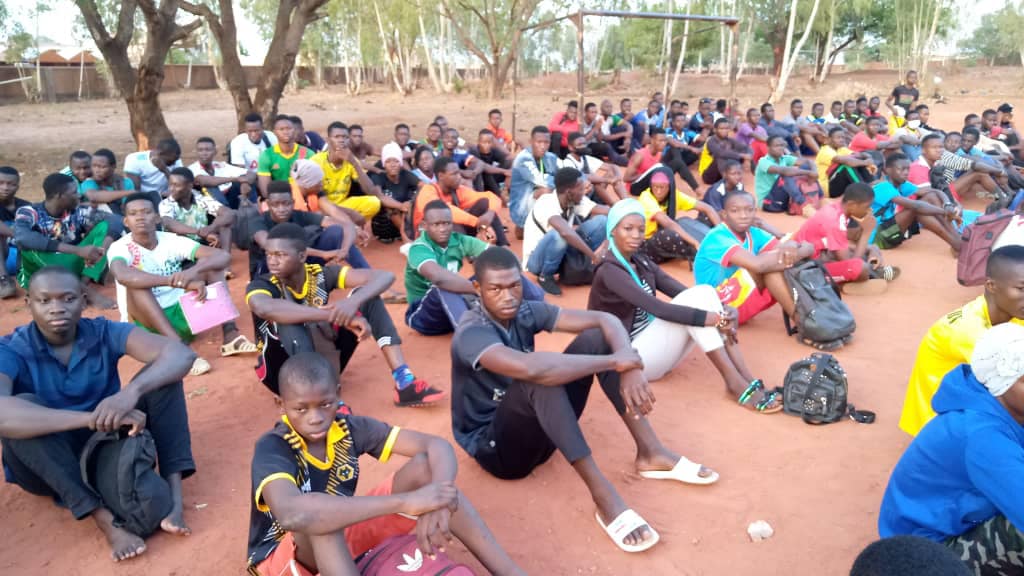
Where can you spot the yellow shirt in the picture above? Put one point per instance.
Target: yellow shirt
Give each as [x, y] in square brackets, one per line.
[824, 160]
[337, 181]
[948, 343]
[651, 206]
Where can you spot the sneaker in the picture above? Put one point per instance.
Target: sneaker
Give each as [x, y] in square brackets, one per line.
[548, 284]
[8, 289]
[418, 393]
[889, 273]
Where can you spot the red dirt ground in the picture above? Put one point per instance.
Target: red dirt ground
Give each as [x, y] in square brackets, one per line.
[819, 487]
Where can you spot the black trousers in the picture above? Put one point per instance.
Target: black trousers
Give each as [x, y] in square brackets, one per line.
[479, 209]
[607, 151]
[679, 162]
[49, 465]
[533, 421]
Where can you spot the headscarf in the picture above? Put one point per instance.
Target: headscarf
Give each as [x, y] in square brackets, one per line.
[307, 174]
[998, 358]
[618, 211]
[390, 151]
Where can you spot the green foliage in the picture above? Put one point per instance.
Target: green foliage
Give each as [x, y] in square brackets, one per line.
[1000, 37]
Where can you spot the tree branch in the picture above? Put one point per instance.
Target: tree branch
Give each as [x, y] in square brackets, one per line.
[182, 32]
[463, 36]
[149, 9]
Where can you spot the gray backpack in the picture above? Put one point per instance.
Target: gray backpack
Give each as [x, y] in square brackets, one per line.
[815, 389]
[823, 319]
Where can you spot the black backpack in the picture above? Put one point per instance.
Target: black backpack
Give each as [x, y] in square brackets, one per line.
[119, 468]
[815, 389]
[823, 319]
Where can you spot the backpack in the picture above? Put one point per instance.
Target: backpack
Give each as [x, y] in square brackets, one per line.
[400, 556]
[822, 317]
[815, 389]
[119, 468]
[976, 244]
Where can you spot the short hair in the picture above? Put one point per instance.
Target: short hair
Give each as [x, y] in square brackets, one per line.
[766, 106]
[336, 125]
[624, 100]
[896, 157]
[439, 117]
[401, 125]
[441, 164]
[107, 154]
[835, 129]
[816, 104]
[79, 155]
[566, 178]
[589, 105]
[54, 270]
[921, 107]
[989, 112]
[834, 102]
[735, 194]
[207, 140]
[684, 103]
[419, 152]
[495, 258]
[253, 117]
[539, 130]
[774, 138]
[1009, 255]
[677, 115]
[485, 132]
[305, 368]
[55, 184]
[749, 110]
[279, 187]
[432, 125]
[908, 556]
[449, 130]
[653, 102]
[858, 192]
[169, 145]
[295, 119]
[729, 164]
[951, 134]
[721, 121]
[436, 204]
[972, 131]
[970, 117]
[355, 127]
[140, 196]
[574, 135]
[572, 104]
[932, 136]
[674, 102]
[282, 118]
[493, 111]
[655, 131]
[721, 103]
[861, 99]
[184, 173]
[291, 232]
[871, 119]
[10, 171]
[796, 101]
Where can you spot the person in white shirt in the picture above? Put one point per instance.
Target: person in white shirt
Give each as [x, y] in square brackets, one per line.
[228, 184]
[562, 220]
[151, 279]
[245, 149]
[604, 180]
[149, 169]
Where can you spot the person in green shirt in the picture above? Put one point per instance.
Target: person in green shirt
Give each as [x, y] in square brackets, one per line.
[437, 293]
[275, 163]
[780, 181]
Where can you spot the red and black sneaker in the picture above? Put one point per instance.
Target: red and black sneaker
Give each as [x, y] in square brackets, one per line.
[418, 393]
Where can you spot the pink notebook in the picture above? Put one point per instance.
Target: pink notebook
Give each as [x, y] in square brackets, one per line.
[217, 309]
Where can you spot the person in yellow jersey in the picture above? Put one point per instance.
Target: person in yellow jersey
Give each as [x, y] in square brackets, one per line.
[950, 341]
[344, 176]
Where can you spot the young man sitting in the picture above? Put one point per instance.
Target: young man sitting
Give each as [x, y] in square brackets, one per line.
[59, 231]
[951, 339]
[195, 215]
[398, 184]
[149, 169]
[562, 221]
[292, 313]
[343, 176]
[492, 162]
[960, 174]
[960, 480]
[10, 181]
[604, 180]
[874, 138]
[744, 262]
[928, 213]
[533, 174]
[79, 167]
[471, 210]
[780, 178]
[275, 163]
[230, 185]
[858, 268]
[437, 293]
[59, 382]
[305, 516]
[149, 266]
[106, 189]
[811, 134]
[244, 149]
[513, 406]
[838, 166]
[719, 148]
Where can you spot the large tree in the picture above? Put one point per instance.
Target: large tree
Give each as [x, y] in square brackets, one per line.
[290, 19]
[139, 85]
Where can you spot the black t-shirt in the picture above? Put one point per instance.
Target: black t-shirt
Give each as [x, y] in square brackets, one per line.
[310, 221]
[271, 355]
[281, 454]
[476, 392]
[904, 96]
[403, 190]
[493, 158]
[6, 215]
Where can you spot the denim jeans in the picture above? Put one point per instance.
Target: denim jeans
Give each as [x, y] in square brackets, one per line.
[547, 256]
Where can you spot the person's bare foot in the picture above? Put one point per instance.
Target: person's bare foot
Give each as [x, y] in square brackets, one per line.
[174, 523]
[123, 544]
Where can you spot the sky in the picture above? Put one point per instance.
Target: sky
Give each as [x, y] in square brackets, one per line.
[59, 24]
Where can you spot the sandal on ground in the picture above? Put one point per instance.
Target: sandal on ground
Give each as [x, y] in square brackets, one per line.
[821, 346]
[199, 367]
[394, 297]
[768, 398]
[240, 345]
[684, 471]
[624, 525]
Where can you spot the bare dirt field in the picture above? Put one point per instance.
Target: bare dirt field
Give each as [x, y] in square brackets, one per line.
[819, 487]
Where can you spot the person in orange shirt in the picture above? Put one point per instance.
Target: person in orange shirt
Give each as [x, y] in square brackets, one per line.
[473, 212]
[503, 139]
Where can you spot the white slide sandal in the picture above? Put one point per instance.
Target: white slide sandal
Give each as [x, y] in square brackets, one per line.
[684, 471]
[623, 525]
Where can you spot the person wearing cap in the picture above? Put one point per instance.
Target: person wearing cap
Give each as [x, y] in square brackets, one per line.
[398, 184]
[345, 183]
[1004, 117]
[960, 481]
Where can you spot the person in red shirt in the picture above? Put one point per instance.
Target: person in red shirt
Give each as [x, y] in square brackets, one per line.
[858, 267]
[562, 124]
[873, 137]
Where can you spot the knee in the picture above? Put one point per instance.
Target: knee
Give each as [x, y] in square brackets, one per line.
[556, 241]
[701, 296]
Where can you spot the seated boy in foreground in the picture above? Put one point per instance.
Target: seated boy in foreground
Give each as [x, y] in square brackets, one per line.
[745, 263]
[305, 517]
[513, 406]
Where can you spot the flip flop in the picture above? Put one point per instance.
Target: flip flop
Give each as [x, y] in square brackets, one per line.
[624, 525]
[393, 297]
[199, 367]
[684, 471]
[240, 345]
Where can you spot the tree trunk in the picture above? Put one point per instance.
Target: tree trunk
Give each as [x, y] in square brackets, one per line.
[931, 38]
[746, 47]
[682, 54]
[826, 62]
[791, 58]
[431, 72]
